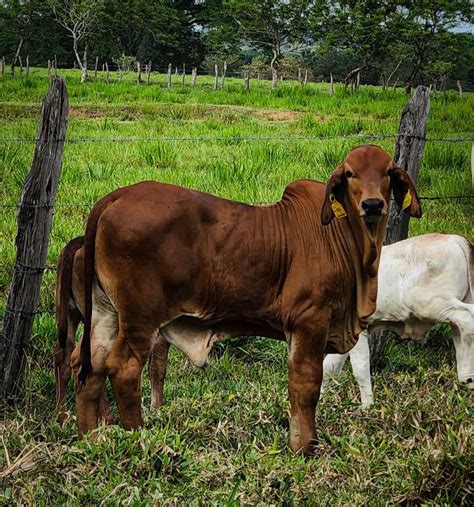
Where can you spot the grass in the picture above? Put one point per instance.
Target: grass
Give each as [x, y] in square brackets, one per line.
[222, 436]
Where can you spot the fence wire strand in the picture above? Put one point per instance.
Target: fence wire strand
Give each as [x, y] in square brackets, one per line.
[232, 138]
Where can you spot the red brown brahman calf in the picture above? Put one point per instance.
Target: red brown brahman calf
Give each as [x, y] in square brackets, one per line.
[196, 268]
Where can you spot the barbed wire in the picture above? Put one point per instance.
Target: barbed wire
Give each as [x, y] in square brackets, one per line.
[262, 203]
[235, 138]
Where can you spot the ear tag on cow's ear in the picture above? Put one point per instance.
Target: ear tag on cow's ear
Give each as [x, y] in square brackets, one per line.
[407, 200]
[337, 207]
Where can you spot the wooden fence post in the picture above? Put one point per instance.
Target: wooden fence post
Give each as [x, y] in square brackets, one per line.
[15, 58]
[224, 72]
[408, 155]
[170, 68]
[27, 65]
[49, 70]
[305, 82]
[184, 74]
[247, 81]
[119, 72]
[458, 84]
[216, 76]
[331, 85]
[395, 85]
[55, 66]
[194, 76]
[139, 72]
[106, 72]
[148, 73]
[34, 225]
[300, 81]
[21, 65]
[95, 66]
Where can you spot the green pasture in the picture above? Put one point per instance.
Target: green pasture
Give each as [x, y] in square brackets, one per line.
[222, 436]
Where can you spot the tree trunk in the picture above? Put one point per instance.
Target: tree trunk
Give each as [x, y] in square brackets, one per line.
[276, 54]
[83, 66]
[184, 74]
[148, 73]
[15, 58]
[21, 65]
[139, 73]
[408, 155]
[305, 82]
[34, 225]
[95, 66]
[458, 84]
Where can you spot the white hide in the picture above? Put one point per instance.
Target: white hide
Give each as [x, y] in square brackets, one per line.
[422, 281]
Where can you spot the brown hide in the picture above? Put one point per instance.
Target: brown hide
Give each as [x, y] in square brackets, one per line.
[163, 252]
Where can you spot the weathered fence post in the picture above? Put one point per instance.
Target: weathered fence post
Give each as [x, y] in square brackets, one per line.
[184, 74]
[458, 84]
[395, 85]
[170, 68]
[148, 73]
[331, 85]
[305, 82]
[216, 76]
[357, 86]
[27, 65]
[119, 72]
[193, 76]
[55, 66]
[139, 72]
[224, 72]
[247, 81]
[106, 72]
[49, 70]
[408, 155]
[21, 65]
[95, 66]
[300, 81]
[34, 225]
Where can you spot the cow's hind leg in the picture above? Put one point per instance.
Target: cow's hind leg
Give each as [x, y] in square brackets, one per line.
[158, 365]
[62, 365]
[124, 365]
[88, 396]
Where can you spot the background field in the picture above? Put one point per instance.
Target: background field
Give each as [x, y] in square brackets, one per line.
[222, 436]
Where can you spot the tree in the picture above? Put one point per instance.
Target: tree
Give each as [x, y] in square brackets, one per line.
[79, 18]
[423, 25]
[269, 25]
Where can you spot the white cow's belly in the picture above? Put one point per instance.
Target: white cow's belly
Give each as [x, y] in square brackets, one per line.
[195, 342]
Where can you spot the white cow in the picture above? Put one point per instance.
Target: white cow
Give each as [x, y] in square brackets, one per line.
[422, 281]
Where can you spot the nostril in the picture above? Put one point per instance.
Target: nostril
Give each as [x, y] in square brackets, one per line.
[373, 205]
[469, 381]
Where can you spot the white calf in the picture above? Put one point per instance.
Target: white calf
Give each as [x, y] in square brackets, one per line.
[422, 281]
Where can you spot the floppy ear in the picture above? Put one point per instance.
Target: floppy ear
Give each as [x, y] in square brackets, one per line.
[404, 191]
[334, 187]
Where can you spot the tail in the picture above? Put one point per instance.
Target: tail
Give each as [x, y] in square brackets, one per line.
[64, 283]
[89, 273]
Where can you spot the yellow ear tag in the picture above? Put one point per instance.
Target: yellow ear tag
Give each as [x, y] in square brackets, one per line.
[407, 200]
[337, 207]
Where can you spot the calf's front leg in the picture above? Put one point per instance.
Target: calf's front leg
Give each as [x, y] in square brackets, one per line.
[305, 374]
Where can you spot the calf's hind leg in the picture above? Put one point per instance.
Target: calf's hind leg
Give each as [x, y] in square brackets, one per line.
[124, 366]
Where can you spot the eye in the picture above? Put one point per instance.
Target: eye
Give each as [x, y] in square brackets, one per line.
[348, 174]
[389, 172]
